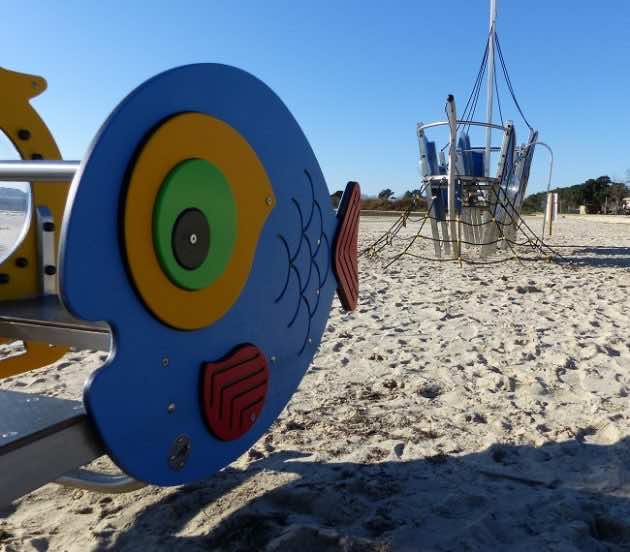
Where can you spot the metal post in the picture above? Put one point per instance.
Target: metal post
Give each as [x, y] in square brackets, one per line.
[452, 170]
[549, 212]
[490, 92]
[546, 146]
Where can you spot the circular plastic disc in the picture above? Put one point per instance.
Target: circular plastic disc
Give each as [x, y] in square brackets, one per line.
[197, 185]
[191, 239]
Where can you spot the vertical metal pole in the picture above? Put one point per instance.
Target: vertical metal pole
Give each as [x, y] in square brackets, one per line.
[548, 181]
[453, 216]
[548, 213]
[490, 92]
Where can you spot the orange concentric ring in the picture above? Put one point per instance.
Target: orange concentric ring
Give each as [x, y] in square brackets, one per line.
[182, 137]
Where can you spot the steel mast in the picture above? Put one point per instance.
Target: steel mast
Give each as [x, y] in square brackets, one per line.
[490, 94]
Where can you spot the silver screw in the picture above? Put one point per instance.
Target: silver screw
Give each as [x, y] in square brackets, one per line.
[310, 340]
[273, 359]
[165, 362]
[171, 408]
[193, 239]
[268, 200]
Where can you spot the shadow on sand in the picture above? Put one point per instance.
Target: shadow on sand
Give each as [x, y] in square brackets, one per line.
[605, 257]
[561, 496]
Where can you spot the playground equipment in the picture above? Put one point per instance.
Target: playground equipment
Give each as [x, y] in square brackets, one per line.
[199, 247]
[474, 212]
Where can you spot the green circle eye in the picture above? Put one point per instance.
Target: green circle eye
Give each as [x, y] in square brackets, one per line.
[194, 224]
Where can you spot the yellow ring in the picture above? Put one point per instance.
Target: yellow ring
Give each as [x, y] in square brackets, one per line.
[194, 136]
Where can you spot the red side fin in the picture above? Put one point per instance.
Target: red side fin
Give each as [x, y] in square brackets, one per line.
[234, 391]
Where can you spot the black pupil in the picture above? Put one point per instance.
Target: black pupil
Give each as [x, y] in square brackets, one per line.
[191, 238]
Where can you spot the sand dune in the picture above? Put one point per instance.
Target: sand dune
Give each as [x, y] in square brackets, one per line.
[474, 408]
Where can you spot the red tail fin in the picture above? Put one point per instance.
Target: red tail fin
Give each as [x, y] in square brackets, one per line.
[346, 261]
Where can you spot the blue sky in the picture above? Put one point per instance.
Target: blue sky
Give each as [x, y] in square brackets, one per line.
[357, 75]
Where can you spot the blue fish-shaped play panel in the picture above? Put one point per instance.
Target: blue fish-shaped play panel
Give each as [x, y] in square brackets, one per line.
[197, 374]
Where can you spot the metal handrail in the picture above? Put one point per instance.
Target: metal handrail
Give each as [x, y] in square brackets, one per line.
[38, 170]
[470, 123]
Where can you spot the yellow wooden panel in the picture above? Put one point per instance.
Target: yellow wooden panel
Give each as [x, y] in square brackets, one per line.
[32, 139]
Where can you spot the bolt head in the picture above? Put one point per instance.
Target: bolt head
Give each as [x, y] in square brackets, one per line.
[165, 362]
[268, 200]
[171, 408]
[192, 239]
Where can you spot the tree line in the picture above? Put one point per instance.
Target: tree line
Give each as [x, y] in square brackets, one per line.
[386, 200]
[598, 195]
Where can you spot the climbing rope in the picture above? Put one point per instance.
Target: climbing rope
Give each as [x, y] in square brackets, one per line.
[502, 200]
[508, 81]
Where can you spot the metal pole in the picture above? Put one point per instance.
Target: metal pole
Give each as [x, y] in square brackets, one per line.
[452, 171]
[548, 148]
[490, 92]
[28, 171]
[549, 212]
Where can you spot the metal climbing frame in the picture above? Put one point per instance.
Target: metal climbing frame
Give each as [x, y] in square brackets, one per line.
[468, 205]
[462, 202]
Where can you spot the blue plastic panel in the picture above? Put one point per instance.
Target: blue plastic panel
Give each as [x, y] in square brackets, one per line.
[477, 163]
[432, 158]
[282, 309]
[464, 150]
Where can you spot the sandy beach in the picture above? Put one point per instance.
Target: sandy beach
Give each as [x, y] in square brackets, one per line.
[459, 408]
[11, 225]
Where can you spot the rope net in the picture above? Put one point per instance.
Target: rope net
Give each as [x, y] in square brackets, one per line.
[491, 240]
